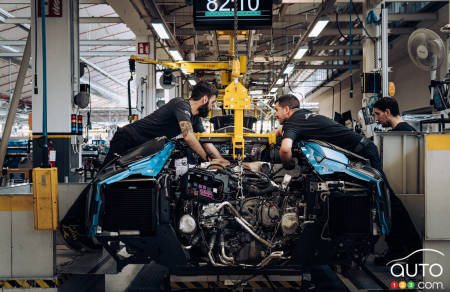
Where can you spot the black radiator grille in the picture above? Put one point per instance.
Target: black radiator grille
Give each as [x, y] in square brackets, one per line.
[350, 215]
[130, 206]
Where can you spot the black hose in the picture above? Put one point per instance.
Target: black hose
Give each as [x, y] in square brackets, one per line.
[339, 28]
[130, 116]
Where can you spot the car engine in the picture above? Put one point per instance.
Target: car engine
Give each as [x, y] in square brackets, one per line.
[154, 204]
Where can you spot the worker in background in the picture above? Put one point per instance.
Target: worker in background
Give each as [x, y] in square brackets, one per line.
[388, 115]
[175, 117]
[301, 124]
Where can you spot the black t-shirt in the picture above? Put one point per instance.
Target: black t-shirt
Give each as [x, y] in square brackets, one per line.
[304, 125]
[404, 126]
[164, 122]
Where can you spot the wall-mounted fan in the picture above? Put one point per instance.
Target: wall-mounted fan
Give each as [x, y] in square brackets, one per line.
[167, 80]
[427, 51]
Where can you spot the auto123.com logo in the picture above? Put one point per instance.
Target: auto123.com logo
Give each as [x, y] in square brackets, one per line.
[404, 271]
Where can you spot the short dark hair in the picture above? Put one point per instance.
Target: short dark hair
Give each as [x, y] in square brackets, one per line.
[214, 90]
[387, 103]
[201, 89]
[289, 100]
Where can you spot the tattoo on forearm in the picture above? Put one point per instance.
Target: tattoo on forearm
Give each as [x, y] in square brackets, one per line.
[186, 128]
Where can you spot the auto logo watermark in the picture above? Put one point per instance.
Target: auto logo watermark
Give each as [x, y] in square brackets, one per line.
[401, 270]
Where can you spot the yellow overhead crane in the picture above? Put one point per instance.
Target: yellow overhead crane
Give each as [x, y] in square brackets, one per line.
[236, 95]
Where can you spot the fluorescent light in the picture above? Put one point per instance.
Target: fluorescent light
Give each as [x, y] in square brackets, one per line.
[176, 55]
[274, 89]
[301, 52]
[279, 81]
[289, 69]
[192, 82]
[317, 29]
[11, 49]
[256, 92]
[161, 31]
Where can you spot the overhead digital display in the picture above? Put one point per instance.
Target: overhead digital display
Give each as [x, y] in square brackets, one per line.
[219, 14]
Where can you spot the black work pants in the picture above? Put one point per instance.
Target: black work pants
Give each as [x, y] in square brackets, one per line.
[119, 145]
[403, 235]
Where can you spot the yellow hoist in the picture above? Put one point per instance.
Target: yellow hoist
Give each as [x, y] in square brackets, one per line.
[236, 95]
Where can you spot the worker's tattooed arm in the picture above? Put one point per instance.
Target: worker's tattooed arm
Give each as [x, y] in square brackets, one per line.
[212, 151]
[191, 140]
[186, 128]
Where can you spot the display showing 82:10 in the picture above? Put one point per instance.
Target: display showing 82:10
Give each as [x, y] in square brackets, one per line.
[221, 5]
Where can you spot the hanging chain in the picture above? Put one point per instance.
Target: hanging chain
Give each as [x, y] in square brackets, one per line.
[235, 28]
[240, 188]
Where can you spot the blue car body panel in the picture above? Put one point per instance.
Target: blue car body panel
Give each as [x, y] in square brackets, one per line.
[328, 161]
[150, 166]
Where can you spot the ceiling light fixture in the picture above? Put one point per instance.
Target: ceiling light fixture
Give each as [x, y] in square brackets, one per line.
[160, 30]
[301, 52]
[289, 69]
[175, 55]
[279, 81]
[317, 29]
[256, 92]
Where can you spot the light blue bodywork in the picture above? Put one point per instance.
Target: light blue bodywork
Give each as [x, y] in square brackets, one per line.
[149, 166]
[328, 161]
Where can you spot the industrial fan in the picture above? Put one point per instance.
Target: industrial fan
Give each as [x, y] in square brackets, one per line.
[427, 51]
[167, 80]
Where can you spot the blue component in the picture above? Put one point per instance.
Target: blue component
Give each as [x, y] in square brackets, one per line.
[17, 143]
[149, 166]
[328, 161]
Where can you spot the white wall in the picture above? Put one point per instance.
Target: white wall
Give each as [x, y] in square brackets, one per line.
[325, 99]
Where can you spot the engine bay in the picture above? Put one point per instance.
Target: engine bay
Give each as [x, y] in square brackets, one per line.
[245, 215]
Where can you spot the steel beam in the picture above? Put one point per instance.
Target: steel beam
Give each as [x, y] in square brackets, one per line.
[335, 47]
[100, 20]
[348, 1]
[107, 53]
[300, 32]
[104, 73]
[257, 68]
[17, 2]
[27, 20]
[315, 1]
[330, 58]
[292, 19]
[92, 2]
[118, 43]
[82, 53]
[14, 104]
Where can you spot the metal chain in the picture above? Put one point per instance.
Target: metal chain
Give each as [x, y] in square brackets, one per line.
[240, 193]
[235, 28]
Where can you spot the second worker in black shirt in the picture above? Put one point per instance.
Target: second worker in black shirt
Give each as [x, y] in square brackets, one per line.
[178, 116]
[301, 124]
[387, 113]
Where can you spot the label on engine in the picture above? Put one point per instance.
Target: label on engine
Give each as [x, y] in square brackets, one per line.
[181, 166]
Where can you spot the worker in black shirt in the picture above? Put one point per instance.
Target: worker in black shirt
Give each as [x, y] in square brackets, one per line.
[177, 116]
[388, 115]
[300, 124]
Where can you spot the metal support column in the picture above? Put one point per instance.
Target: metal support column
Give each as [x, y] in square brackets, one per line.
[14, 102]
[384, 49]
[148, 72]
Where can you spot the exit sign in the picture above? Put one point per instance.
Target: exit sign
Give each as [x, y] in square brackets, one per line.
[143, 48]
[53, 8]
